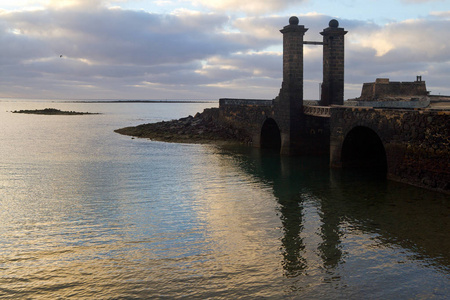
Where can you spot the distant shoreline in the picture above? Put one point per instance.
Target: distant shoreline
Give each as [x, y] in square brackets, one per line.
[141, 101]
[3, 99]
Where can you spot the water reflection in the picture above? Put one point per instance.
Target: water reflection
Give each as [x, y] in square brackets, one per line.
[330, 249]
[87, 213]
[394, 215]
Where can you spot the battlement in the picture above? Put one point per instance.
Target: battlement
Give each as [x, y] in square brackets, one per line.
[382, 88]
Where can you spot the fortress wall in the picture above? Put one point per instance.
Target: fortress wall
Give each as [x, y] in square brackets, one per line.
[383, 87]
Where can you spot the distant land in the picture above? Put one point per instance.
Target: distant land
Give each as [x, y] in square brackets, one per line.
[74, 100]
[143, 101]
[51, 111]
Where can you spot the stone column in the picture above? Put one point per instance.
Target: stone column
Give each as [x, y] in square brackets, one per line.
[289, 105]
[333, 65]
[292, 86]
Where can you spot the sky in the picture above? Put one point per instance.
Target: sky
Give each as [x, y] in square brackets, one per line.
[210, 49]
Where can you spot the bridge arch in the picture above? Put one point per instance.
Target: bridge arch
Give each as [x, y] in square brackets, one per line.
[363, 149]
[270, 135]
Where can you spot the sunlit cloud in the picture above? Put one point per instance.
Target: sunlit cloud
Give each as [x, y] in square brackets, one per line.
[417, 39]
[441, 14]
[145, 54]
[419, 1]
[250, 6]
[24, 5]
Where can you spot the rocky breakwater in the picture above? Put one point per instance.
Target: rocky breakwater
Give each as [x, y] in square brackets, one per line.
[203, 128]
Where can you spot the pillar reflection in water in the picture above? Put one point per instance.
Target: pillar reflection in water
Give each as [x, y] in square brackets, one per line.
[293, 247]
[291, 178]
[330, 249]
[343, 229]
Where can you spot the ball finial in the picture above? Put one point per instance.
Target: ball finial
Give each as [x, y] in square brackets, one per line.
[333, 23]
[293, 20]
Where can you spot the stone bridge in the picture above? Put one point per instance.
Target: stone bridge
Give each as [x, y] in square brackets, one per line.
[410, 146]
[392, 128]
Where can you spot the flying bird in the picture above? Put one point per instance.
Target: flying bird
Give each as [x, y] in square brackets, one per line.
[61, 55]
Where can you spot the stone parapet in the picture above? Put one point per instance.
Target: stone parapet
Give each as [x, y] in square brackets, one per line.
[317, 111]
[415, 102]
[244, 102]
[417, 142]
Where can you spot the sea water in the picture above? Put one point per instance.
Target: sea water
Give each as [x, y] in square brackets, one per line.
[88, 213]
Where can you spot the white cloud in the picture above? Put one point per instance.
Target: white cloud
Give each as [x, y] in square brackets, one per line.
[249, 6]
[119, 53]
[419, 1]
[440, 14]
[411, 40]
[24, 5]
[400, 51]
[266, 28]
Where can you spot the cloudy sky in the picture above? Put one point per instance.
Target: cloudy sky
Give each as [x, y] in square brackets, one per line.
[209, 49]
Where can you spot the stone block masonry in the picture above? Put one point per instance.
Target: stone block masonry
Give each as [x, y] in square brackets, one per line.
[333, 65]
[416, 142]
[288, 106]
[246, 116]
[382, 89]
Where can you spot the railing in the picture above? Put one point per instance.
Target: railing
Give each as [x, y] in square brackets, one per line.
[317, 111]
[243, 102]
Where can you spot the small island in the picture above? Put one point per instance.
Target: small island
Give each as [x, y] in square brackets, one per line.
[51, 111]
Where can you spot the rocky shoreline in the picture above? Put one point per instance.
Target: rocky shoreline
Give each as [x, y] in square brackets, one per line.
[202, 128]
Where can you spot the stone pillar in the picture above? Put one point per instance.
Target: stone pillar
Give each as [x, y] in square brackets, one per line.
[289, 104]
[333, 65]
[292, 86]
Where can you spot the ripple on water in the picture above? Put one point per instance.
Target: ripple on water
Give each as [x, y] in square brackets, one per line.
[87, 213]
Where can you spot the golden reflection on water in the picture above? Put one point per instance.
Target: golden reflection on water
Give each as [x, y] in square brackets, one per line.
[244, 245]
[139, 219]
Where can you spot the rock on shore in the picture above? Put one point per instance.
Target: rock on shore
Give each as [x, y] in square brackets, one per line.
[203, 128]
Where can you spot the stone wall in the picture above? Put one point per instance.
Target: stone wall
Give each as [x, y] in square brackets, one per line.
[382, 87]
[246, 116]
[416, 142]
[314, 136]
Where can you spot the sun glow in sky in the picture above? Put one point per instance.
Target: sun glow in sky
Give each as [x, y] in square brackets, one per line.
[209, 49]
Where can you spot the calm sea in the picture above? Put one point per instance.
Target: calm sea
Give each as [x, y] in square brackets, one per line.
[87, 213]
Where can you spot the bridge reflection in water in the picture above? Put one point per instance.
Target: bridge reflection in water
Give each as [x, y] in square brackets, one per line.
[320, 208]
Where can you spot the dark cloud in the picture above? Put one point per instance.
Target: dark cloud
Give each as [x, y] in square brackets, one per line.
[105, 43]
[116, 36]
[115, 53]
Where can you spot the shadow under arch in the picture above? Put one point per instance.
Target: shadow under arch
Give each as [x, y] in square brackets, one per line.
[270, 135]
[363, 149]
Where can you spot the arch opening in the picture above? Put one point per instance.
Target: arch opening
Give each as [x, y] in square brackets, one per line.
[270, 135]
[363, 149]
